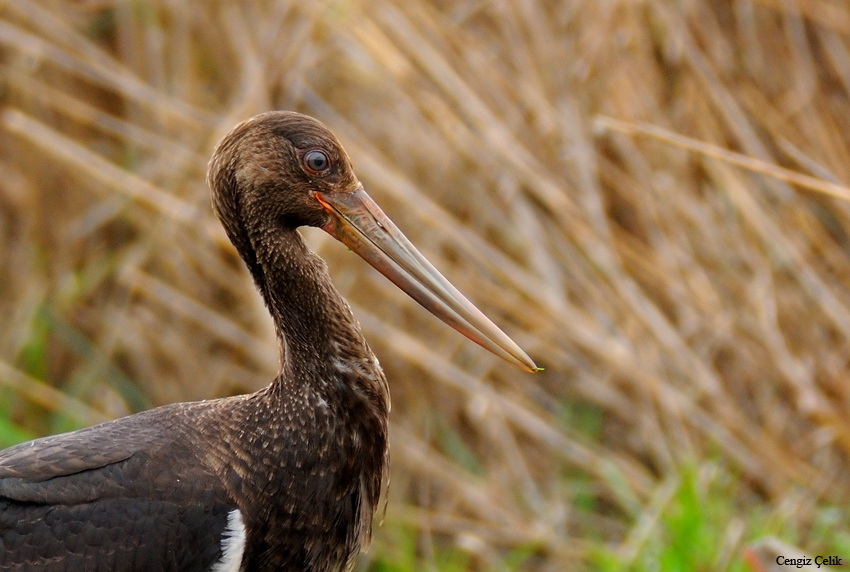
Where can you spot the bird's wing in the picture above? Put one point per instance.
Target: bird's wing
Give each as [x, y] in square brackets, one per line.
[52, 469]
[126, 495]
[66, 454]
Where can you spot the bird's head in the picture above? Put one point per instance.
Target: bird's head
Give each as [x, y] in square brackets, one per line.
[281, 170]
[276, 163]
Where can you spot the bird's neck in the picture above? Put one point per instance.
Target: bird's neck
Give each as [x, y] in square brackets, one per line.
[318, 334]
[328, 407]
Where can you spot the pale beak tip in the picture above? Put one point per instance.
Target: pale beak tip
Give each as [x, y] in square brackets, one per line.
[525, 362]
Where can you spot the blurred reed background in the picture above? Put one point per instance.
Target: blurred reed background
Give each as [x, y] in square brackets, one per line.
[648, 196]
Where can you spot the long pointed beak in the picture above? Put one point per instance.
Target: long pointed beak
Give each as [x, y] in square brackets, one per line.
[359, 223]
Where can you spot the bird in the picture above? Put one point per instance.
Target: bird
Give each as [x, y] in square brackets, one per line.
[284, 479]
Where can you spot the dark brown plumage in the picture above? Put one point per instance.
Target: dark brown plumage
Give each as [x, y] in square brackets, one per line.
[287, 478]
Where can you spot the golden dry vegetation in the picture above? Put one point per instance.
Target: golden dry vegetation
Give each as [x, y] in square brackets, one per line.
[648, 195]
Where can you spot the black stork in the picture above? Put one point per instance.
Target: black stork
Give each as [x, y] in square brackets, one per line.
[285, 479]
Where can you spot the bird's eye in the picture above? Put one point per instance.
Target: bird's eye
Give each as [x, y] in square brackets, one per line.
[316, 162]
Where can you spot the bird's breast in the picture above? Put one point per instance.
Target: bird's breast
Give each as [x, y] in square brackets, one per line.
[308, 473]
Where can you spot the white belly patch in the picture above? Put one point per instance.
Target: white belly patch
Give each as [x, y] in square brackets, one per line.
[232, 544]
